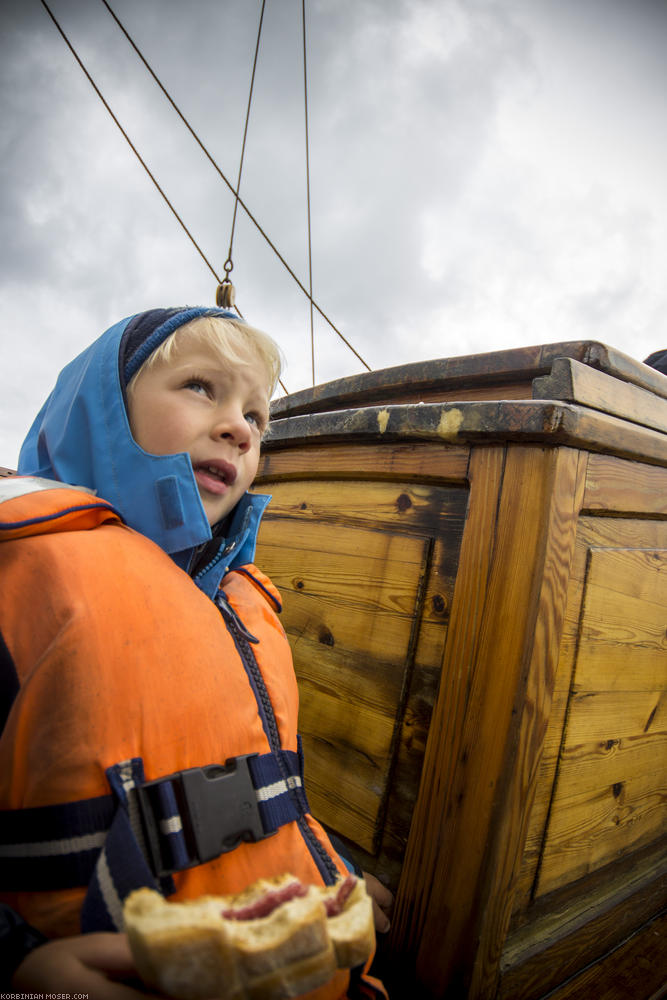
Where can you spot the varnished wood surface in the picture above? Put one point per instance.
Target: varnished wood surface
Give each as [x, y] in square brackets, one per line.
[559, 577]
[597, 534]
[617, 488]
[367, 589]
[495, 375]
[633, 971]
[576, 926]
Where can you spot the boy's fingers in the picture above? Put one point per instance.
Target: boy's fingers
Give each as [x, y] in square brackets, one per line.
[382, 922]
[91, 963]
[107, 952]
[383, 901]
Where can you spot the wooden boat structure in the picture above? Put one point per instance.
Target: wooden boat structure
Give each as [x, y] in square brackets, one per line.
[472, 554]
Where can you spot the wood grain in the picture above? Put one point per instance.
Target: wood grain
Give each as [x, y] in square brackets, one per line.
[636, 969]
[571, 930]
[418, 461]
[366, 570]
[431, 850]
[631, 488]
[593, 533]
[611, 791]
[563, 476]
[446, 905]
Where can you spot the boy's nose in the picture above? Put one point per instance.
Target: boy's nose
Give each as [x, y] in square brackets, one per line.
[233, 426]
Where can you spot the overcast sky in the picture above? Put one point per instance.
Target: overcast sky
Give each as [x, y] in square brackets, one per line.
[485, 174]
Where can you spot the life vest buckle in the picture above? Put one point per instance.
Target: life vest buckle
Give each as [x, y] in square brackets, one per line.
[216, 807]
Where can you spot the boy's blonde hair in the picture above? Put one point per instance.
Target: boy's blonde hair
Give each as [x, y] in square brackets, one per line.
[233, 341]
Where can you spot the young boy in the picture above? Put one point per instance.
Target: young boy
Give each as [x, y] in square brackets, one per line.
[140, 649]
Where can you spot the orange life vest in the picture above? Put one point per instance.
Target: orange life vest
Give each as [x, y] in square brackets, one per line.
[119, 657]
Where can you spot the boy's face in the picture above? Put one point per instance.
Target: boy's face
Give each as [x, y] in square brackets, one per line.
[215, 413]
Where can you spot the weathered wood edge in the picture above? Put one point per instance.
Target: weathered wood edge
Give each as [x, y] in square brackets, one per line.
[572, 382]
[546, 422]
[492, 368]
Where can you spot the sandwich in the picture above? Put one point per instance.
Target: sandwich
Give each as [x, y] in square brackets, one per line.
[277, 939]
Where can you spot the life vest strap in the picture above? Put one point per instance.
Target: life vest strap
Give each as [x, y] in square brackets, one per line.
[195, 815]
[176, 822]
[53, 847]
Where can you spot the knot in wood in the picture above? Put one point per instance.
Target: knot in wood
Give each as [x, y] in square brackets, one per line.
[438, 603]
[325, 636]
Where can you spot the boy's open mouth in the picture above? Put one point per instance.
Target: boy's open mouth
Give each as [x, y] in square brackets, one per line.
[214, 476]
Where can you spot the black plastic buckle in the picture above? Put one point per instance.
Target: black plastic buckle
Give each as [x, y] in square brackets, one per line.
[218, 809]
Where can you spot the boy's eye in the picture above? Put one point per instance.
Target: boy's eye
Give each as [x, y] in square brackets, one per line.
[255, 418]
[199, 385]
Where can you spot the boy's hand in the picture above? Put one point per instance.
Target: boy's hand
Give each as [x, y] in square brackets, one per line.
[91, 964]
[383, 902]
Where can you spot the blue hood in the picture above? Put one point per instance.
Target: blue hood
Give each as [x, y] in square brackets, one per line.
[82, 436]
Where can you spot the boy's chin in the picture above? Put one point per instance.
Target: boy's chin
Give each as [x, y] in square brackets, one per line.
[216, 510]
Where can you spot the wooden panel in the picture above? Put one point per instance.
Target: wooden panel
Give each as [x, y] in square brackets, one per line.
[624, 627]
[593, 532]
[611, 790]
[404, 504]
[418, 460]
[366, 570]
[564, 475]
[631, 488]
[355, 596]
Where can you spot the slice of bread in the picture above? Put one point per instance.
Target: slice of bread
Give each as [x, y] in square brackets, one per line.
[273, 941]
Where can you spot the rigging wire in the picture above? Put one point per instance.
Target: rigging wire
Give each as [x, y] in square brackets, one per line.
[209, 157]
[227, 182]
[130, 143]
[310, 245]
[229, 265]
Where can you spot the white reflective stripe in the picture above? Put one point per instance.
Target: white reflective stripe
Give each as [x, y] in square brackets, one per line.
[46, 848]
[171, 825]
[126, 772]
[277, 788]
[109, 893]
[12, 487]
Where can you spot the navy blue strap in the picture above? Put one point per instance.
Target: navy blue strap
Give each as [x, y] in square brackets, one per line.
[52, 847]
[121, 864]
[99, 842]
